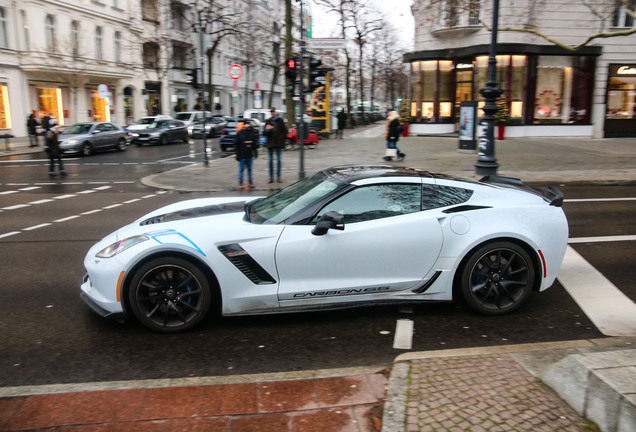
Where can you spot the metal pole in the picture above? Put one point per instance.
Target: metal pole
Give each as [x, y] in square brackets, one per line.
[301, 89]
[486, 162]
[202, 91]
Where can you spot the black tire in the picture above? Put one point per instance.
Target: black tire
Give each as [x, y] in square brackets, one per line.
[87, 149]
[186, 137]
[169, 295]
[497, 278]
[163, 140]
[121, 144]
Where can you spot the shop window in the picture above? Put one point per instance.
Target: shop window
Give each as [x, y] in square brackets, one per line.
[5, 108]
[4, 38]
[554, 90]
[129, 105]
[621, 96]
[445, 87]
[101, 107]
[50, 103]
[511, 72]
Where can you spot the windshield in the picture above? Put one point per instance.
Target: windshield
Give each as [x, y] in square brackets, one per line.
[277, 207]
[76, 129]
[183, 116]
[145, 120]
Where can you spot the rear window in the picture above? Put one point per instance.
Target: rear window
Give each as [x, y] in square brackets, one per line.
[182, 116]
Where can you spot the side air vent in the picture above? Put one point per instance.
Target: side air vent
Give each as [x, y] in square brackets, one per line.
[246, 264]
[464, 208]
[428, 283]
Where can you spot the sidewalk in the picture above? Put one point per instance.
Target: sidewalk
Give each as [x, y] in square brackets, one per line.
[535, 387]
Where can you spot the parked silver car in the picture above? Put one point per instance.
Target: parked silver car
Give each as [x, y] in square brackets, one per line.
[86, 138]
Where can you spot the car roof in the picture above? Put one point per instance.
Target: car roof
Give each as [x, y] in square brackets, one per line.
[353, 173]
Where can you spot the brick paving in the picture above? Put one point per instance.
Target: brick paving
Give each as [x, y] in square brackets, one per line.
[483, 393]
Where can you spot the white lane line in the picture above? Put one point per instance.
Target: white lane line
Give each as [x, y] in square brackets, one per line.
[112, 206]
[30, 188]
[403, 338]
[611, 311]
[132, 201]
[598, 199]
[9, 234]
[15, 207]
[602, 239]
[8, 192]
[61, 197]
[68, 218]
[91, 212]
[42, 201]
[103, 187]
[87, 191]
[36, 227]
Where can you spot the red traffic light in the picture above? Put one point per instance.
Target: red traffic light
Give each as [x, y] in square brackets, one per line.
[291, 63]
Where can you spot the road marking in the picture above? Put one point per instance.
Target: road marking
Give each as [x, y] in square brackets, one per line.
[112, 206]
[9, 234]
[42, 201]
[36, 227]
[15, 207]
[31, 188]
[91, 212]
[403, 338]
[602, 239]
[68, 218]
[61, 197]
[611, 311]
[8, 192]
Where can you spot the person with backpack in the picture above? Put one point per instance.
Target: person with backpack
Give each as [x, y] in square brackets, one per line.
[393, 131]
[246, 150]
[52, 147]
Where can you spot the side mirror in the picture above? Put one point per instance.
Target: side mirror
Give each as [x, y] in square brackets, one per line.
[330, 220]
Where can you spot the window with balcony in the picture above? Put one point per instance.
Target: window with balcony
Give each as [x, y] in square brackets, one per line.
[151, 55]
[99, 55]
[4, 34]
[49, 32]
[75, 37]
[458, 13]
[150, 10]
[117, 47]
[623, 13]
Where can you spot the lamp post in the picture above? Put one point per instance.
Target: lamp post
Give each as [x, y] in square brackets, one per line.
[486, 162]
[300, 127]
[201, 21]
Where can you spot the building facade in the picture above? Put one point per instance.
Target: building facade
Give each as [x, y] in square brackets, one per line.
[548, 88]
[119, 60]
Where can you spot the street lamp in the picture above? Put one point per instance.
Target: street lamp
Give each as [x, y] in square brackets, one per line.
[202, 24]
[486, 162]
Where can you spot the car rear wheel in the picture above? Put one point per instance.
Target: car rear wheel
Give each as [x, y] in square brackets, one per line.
[497, 278]
[186, 137]
[121, 144]
[169, 295]
[87, 149]
[163, 140]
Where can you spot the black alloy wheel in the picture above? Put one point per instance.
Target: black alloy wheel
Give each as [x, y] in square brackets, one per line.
[169, 295]
[497, 278]
[121, 144]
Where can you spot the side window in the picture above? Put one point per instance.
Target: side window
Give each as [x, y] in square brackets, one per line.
[375, 202]
[442, 196]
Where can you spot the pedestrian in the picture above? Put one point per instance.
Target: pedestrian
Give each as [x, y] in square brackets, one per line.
[246, 150]
[342, 123]
[52, 147]
[392, 135]
[32, 126]
[276, 133]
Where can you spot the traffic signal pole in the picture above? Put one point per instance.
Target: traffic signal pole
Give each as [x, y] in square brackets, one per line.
[301, 123]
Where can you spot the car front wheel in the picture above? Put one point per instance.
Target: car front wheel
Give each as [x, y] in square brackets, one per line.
[87, 149]
[121, 144]
[169, 295]
[497, 278]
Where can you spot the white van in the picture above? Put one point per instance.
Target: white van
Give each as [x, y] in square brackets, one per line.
[188, 117]
[262, 114]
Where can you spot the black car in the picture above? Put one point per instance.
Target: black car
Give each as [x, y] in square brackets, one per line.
[228, 133]
[162, 132]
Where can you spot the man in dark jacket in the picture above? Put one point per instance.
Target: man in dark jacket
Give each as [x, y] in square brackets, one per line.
[276, 133]
[52, 146]
[342, 123]
[32, 126]
[246, 149]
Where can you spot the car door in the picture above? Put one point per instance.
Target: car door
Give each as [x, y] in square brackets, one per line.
[388, 244]
[100, 137]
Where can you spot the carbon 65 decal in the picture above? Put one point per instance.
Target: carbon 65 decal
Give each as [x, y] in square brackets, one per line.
[341, 292]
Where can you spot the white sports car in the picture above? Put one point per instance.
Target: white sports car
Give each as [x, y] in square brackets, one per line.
[346, 236]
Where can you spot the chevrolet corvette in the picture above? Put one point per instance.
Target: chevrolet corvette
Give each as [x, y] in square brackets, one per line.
[346, 236]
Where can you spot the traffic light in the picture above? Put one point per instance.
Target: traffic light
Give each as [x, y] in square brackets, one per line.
[194, 78]
[316, 74]
[291, 69]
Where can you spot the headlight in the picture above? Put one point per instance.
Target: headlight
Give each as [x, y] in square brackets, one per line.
[120, 246]
[135, 134]
[155, 134]
[71, 141]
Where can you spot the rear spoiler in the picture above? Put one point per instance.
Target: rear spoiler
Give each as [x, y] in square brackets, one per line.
[552, 195]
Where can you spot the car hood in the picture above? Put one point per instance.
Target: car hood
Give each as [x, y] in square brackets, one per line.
[137, 127]
[182, 212]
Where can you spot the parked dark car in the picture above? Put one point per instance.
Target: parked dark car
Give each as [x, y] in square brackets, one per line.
[213, 127]
[228, 134]
[87, 138]
[162, 132]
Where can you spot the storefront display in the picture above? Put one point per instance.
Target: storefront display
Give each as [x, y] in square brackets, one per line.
[620, 116]
[50, 103]
[5, 108]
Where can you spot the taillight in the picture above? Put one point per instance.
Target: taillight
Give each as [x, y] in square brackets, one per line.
[223, 132]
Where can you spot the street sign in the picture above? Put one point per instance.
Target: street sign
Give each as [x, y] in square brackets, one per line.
[325, 43]
[236, 72]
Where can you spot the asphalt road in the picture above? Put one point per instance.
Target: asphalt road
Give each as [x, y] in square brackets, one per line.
[48, 335]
